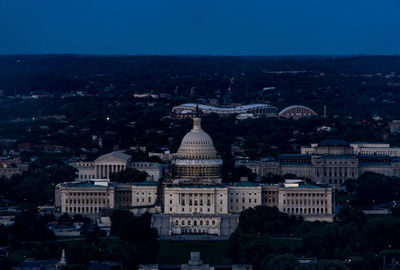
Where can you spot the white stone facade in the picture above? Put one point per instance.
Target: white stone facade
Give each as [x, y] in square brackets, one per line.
[200, 206]
[102, 167]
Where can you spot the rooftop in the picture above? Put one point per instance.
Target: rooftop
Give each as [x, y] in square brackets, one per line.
[333, 142]
[116, 155]
[245, 184]
[225, 109]
[147, 183]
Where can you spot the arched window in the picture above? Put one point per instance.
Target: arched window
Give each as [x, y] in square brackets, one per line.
[183, 222]
[207, 222]
[201, 222]
[188, 222]
[176, 222]
[213, 222]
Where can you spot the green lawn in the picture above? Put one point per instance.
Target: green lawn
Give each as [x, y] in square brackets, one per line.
[178, 252]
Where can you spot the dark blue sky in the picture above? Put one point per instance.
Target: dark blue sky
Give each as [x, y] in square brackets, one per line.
[230, 27]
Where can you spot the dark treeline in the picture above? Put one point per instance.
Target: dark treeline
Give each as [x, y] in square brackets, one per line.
[346, 84]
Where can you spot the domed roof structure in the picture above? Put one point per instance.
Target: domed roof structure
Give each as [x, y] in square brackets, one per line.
[197, 144]
[197, 158]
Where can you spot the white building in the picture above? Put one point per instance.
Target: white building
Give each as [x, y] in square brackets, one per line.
[193, 200]
[115, 162]
[360, 148]
[102, 167]
[190, 109]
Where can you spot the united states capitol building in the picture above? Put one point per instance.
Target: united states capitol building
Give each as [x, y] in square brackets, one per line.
[193, 200]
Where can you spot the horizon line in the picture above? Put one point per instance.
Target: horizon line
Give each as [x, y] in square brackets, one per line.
[198, 55]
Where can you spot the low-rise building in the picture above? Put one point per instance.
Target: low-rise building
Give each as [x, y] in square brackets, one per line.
[394, 126]
[296, 197]
[331, 162]
[116, 162]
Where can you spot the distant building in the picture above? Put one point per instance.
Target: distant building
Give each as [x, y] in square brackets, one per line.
[10, 167]
[244, 116]
[297, 112]
[296, 197]
[359, 148]
[145, 95]
[331, 162]
[24, 147]
[92, 197]
[394, 126]
[102, 167]
[189, 110]
[115, 162]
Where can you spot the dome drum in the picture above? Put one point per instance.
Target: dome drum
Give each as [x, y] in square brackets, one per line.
[196, 157]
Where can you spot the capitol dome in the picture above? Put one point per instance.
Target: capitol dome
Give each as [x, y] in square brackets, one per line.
[197, 157]
[197, 144]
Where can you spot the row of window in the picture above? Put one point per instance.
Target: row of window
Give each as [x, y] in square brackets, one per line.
[91, 194]
[149, 200]
[195, 195]
[195, 210]
[305, 202]
[243, 193]
[244, 200]
[84, 176]
[313, 211]
[85, 210]
[191, 202]
[87, 201]
[306, 195]
[85, 164]
[336, 162]
[196, 222]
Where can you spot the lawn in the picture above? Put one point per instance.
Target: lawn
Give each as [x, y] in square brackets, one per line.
[178, 252]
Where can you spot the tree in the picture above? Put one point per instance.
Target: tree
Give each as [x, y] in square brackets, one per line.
[137, 231]
[78, 254]
[282, 262]
[382, 233]
[376, 188]
[29, 226]
[349, 214]
[328, 265]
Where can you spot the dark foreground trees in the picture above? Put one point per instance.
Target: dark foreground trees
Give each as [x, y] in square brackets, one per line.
[269, 239]
[139, 239]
